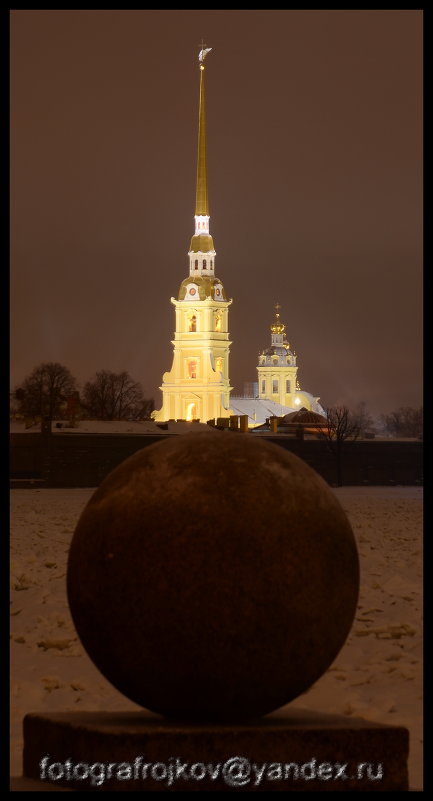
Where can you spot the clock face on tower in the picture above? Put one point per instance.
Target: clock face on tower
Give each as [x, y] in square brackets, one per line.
[192, 292]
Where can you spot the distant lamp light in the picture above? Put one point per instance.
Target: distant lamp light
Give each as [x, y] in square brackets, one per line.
[297, 401]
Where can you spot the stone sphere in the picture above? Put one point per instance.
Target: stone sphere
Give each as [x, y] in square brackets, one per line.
[213, 576]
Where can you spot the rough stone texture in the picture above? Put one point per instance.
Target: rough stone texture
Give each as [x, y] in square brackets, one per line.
[289, 735]
[213, 577]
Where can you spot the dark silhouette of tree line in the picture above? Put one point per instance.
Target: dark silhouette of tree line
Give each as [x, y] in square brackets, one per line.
[342, 424]
[52, 391]
[405, 422]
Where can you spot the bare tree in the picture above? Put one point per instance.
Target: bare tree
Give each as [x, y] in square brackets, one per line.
[147, 408]
[363, 418]
[404, 422]
[341, 426]
[44, 391]
[113, 396]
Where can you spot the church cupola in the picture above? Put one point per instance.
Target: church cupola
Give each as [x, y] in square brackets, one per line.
[279, 353]
[277, 368]
[277, 328]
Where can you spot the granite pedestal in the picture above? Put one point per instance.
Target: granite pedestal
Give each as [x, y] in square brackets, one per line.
[213, 579]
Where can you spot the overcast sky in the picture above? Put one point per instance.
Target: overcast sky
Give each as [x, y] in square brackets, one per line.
[314, 122]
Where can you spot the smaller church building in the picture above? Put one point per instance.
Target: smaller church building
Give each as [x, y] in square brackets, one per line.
[278, 388]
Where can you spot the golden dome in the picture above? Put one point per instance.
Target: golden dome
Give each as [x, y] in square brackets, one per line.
[205, 286]
[202, 243]
[277, 326]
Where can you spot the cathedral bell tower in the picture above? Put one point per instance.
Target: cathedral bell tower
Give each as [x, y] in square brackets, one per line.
[197, 386]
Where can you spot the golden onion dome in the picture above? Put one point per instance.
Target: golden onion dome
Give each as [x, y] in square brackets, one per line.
[277, 326]
[207, 287]
[202, 243]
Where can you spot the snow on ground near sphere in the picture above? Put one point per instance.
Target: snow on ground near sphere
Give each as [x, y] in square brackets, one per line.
[377, 675]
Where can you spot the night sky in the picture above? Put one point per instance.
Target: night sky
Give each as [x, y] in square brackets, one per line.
[314, 138]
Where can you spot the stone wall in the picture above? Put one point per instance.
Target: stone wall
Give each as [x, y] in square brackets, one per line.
[83, 460]
[363, 462]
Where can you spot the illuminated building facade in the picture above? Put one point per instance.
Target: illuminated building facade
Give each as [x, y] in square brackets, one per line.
[197, 386]
[278, 390]
[277, 372]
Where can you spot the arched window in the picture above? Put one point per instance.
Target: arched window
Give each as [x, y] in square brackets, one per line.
[204, 264]
[263, 386]
[275, 386]
[192, 368]
[196, 264]
[193, 323]
[288, 386]
[217, 322]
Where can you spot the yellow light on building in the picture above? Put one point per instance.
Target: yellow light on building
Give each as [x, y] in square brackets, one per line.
[191, 412]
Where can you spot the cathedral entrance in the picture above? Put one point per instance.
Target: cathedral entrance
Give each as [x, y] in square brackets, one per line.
[191, 411]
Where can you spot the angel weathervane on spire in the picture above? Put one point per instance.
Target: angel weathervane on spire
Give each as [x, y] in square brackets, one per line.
[203, 52]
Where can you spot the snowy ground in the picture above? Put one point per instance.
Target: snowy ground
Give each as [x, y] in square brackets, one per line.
[112, 427]
[377, 675]
[143, 427]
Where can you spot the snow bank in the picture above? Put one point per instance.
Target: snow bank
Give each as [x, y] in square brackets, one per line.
[112, 427]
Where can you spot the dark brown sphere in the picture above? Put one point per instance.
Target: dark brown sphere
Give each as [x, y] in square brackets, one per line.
[213, 576]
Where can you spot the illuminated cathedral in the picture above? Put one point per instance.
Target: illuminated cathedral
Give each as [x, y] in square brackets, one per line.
[197, 387]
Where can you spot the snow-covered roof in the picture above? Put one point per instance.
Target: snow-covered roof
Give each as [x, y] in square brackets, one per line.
[306, 418]
[258, 409]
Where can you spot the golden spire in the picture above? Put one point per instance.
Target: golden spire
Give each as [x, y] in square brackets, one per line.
[201, 201]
